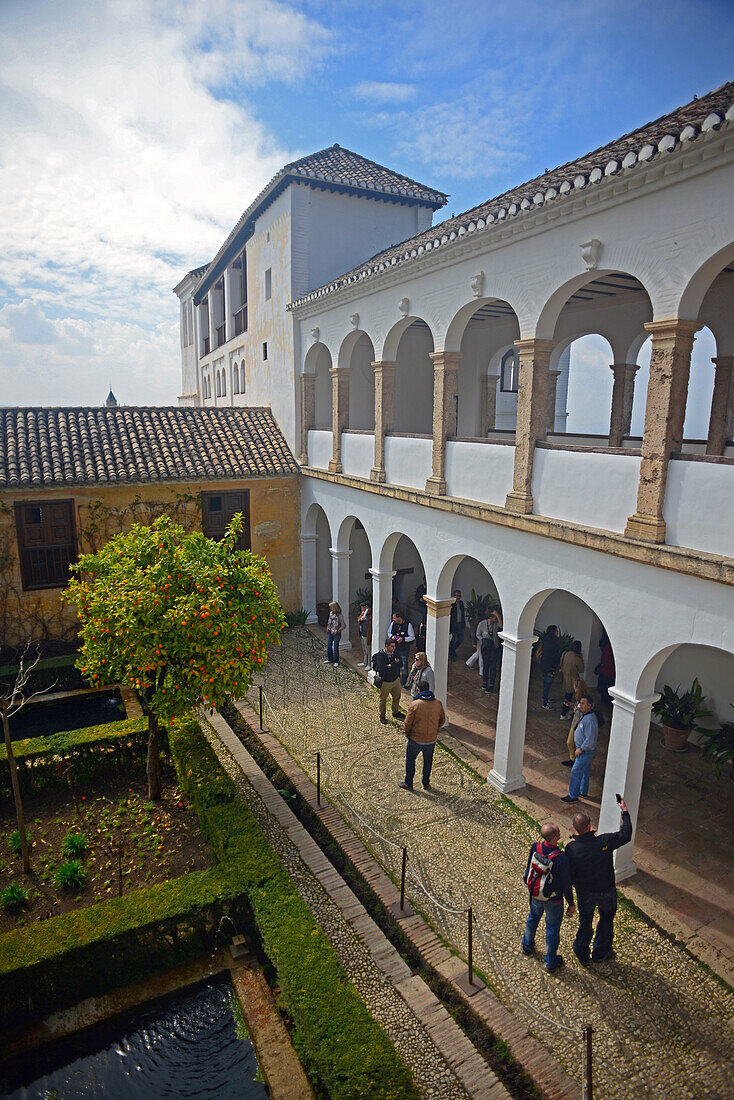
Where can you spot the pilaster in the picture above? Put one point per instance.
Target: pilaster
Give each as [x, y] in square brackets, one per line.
[532, 405]
[384, 413]
[667, 390]
[339, 414]
[340, 588]
[437, 642]
[721, 402]
[445, 389]
[550, 417]
[308, 575]
[487, 403]
[381, 605]
[308, 413]
[623, 394]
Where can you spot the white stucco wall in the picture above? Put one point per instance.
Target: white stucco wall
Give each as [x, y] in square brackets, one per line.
[699, 506]
[592, 488]
[320, 449]
[358, 453]
[408, 461]
[479, 471]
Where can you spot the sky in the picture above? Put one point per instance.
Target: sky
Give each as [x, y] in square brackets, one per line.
[135, 132]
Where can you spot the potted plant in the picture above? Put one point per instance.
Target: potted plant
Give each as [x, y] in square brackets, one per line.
[679, 714]
[718, 745]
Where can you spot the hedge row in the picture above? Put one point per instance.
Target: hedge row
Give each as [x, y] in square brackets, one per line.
[90, 750]
[338, 1039]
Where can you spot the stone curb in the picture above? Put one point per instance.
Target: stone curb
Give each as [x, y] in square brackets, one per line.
[459, 1053]
[537, 1062]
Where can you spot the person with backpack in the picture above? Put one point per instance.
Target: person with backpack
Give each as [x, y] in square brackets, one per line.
[548, 879]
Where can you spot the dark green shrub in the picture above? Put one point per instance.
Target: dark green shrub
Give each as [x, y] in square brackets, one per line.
[297, 617]
[71, 875]
[14, 842]
[14, 897]
[75, 844]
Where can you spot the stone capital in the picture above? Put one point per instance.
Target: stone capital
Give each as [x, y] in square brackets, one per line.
[673, 331]
[624, 371]
[723, 362]
[384, 364]
[382, 575]
[309, 538]
[516, 644]
[533, 347]
[438, 609]
[339, 372]
[339, 554]
[630, 703]
[446, 360]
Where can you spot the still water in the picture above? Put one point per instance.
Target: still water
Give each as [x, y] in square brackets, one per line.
[188, 1048]
[41, 719]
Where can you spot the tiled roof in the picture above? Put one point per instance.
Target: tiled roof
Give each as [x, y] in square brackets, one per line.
[340, 168]
[653, 140]
[49, 448]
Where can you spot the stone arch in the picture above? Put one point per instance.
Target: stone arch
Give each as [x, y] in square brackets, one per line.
[316, 563]
[357, 354]
[462, 317]
[413, 377]
[699, 283]
[548, 318]
[318, 362]
[476, 331]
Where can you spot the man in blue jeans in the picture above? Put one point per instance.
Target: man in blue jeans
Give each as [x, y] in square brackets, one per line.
[585, 737]
[591, 859]
[551, 906]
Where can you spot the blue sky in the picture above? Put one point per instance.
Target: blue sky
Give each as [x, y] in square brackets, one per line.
[135, 132]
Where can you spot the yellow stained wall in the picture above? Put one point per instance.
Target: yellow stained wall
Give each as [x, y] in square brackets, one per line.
[274, 530]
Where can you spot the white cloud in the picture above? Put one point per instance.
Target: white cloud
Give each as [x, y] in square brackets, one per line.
[121, 168]
[384, 91]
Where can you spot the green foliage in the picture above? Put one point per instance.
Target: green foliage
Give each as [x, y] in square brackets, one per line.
[681, 710]
[14, 897]
[14, 842]
[90, 750]
[75, 844]
[477, 606]
[565, 641]
[718, 745]
[362, 595]
[179, 617]
[297, 617]
[71, 875]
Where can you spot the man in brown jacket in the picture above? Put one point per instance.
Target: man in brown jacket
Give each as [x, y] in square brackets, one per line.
[423, 720]
[572, 665]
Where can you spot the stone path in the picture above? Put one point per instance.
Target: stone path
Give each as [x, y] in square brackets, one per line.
[663, 1025]
[443, 1062]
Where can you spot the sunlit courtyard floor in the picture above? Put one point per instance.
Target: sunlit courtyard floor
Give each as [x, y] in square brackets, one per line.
[663, 1024]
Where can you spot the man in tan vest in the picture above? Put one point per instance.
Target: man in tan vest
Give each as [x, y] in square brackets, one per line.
[423, 720]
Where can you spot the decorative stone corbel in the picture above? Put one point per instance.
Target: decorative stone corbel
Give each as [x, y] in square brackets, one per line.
[590, 253]
[404, 306]
[354, 320]
[477, 284]
[315, 333]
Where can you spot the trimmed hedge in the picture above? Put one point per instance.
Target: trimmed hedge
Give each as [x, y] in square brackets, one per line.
[59, 961]
[91, 749]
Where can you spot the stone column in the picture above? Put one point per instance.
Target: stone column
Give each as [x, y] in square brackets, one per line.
[340, 588]
[512, 712]
[228, 318]
[487, 403]
[625, 766]
[339, 414]
[532, 404]
[550, 421]
[381, 605]
[623, 394]
[670, 364]
[437, 643]
[721, 402]
[384, 414]
[308, 413]
[308, 575]
[445, 389]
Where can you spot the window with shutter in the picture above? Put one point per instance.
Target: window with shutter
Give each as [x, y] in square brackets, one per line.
[46, 542]
[217, 511]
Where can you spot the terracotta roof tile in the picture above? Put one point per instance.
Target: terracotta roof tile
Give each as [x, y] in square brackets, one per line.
[49, 448]
[655, 139]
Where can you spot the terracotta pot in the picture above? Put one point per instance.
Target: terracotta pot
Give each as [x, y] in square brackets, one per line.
[322, 614]
[675, 740]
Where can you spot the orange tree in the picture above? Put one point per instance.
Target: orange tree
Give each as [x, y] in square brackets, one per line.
[180, 618]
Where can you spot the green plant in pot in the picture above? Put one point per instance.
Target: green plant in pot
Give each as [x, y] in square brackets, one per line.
[718, 746]
[679, 713]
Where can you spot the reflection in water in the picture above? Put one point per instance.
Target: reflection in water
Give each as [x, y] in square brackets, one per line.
[189, 1048]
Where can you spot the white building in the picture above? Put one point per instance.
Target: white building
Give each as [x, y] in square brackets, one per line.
[430, 382]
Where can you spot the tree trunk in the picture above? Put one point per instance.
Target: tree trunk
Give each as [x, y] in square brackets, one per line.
[154, 759]
[25, 853]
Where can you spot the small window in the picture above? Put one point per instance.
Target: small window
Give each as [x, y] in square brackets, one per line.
[217, 511]
[236, 380]
[219, 384]
[265, 350]
[46, 542]
[268, 284]
[224, 383]
[509, 371]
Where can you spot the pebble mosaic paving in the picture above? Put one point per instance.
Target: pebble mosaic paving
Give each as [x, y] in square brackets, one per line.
[664, 1027]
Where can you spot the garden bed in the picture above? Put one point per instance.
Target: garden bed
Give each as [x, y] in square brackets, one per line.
[160, 841]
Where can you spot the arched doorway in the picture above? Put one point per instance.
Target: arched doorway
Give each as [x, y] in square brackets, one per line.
[316, 567]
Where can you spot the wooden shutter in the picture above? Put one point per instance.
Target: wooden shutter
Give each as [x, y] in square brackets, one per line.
[217, 511]
[46, 541]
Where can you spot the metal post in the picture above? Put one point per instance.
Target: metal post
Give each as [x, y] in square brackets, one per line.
[318, 778]
[587, 1092]
[471, 967]
[262, 728]
[402, 879]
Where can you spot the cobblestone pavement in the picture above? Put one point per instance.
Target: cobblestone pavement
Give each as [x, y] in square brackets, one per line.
[433, 1077]
[663, 1025]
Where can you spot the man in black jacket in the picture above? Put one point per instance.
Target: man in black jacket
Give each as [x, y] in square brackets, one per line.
[592, 873]
[386, 664]
[550, 660]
